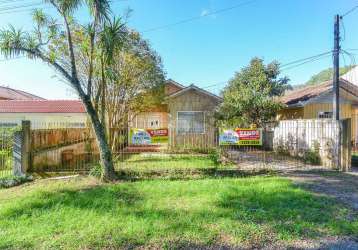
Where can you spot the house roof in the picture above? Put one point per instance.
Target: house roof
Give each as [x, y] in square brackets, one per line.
[300, 96]
[14, 94]
[193, 87]
[41, 106]
[171, 81]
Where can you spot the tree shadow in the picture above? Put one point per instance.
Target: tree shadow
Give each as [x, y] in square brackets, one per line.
[188, 174]
[274, 212]
[339, 185]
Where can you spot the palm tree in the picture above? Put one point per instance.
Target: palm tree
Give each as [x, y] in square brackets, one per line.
[41, 44]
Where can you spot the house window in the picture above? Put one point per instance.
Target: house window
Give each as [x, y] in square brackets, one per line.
[323, 115]
[190, 122]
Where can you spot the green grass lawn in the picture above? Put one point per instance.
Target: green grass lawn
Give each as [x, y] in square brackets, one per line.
[171, 166]
[85, 214]
[161, 161]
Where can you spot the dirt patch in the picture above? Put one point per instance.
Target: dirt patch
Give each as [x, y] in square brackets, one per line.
[341, 186]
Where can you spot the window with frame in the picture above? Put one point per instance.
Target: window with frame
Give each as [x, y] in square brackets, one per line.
[325, 114]
[191, 122]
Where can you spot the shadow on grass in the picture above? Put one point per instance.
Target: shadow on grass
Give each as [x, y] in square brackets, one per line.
[235, 215]
[340, 185]
[187, 174]
[164, 158]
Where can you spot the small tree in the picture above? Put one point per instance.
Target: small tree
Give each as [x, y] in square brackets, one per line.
[251, 96]
[56, 45]
[134, 83]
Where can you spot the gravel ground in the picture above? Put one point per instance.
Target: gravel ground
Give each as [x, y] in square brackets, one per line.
[343, 187]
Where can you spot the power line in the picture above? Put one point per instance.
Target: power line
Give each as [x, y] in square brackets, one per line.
[309, 61]
[349, 11]
[307, 58]
[294, 64]
[165, 26]
[21, 6]
[17, 9]
[23, 10]
[11, 1]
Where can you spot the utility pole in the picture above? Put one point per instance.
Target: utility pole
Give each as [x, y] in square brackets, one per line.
[336, 52]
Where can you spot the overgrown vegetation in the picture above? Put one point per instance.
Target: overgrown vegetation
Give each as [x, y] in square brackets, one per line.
[11, 181]
[85, 214]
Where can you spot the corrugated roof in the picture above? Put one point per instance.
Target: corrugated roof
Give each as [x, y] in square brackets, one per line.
[41, 106]
[14, 94]
[304, 94]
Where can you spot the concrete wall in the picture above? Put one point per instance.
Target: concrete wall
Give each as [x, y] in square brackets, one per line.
[42, 120]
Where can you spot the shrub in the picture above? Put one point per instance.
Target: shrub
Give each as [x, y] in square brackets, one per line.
[12, 181]
[215, 156]
[97, 171]
[312, 157]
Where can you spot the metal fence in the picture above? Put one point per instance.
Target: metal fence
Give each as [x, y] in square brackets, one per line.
[63, 147]
[6, 151]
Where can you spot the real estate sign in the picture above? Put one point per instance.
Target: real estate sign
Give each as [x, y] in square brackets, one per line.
[148, 136]
[240, 136]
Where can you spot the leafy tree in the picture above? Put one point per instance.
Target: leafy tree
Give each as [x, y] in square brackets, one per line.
[325, 75]
[57, 45]
[251, 96]
[135, 83]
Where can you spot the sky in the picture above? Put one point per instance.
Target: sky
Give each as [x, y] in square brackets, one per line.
[209, 50]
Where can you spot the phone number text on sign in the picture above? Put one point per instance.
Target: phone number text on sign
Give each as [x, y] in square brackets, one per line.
[241, 136]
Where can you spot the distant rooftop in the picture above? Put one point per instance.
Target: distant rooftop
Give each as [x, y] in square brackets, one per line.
[41, 106]
[7, 93]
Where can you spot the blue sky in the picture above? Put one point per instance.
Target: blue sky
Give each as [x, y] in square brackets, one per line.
[210, 50]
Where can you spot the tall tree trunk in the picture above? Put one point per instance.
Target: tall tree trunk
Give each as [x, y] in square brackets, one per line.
[104, 150]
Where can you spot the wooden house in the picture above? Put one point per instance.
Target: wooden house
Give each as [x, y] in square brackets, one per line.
[186, 115]
[315, 102]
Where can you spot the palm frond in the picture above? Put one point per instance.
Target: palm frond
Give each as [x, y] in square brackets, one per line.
[12, 42]
[99, 9]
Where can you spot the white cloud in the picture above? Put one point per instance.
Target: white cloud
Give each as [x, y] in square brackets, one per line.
[204, 12]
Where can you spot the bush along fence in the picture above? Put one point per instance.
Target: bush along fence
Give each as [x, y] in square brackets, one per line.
[6, 150]
[72, 148]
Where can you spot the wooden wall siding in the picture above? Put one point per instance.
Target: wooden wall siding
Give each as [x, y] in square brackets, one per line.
[346, 111]
[193, 101]
[53, 138]
[289, 114]
[62, 148]
[142, 120]
[311, 110]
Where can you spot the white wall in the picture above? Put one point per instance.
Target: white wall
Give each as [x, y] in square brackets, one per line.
[298, 136]
[44, 120]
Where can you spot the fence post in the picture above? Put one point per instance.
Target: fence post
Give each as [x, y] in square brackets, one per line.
[21, 150]
[26, 146]
[345, 145]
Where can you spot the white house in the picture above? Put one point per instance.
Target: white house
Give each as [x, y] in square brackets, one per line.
[43, 113]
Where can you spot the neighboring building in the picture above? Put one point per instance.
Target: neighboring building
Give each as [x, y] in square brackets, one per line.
[7, 93]
[187, 114]
[43, 113]
[315, 101]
